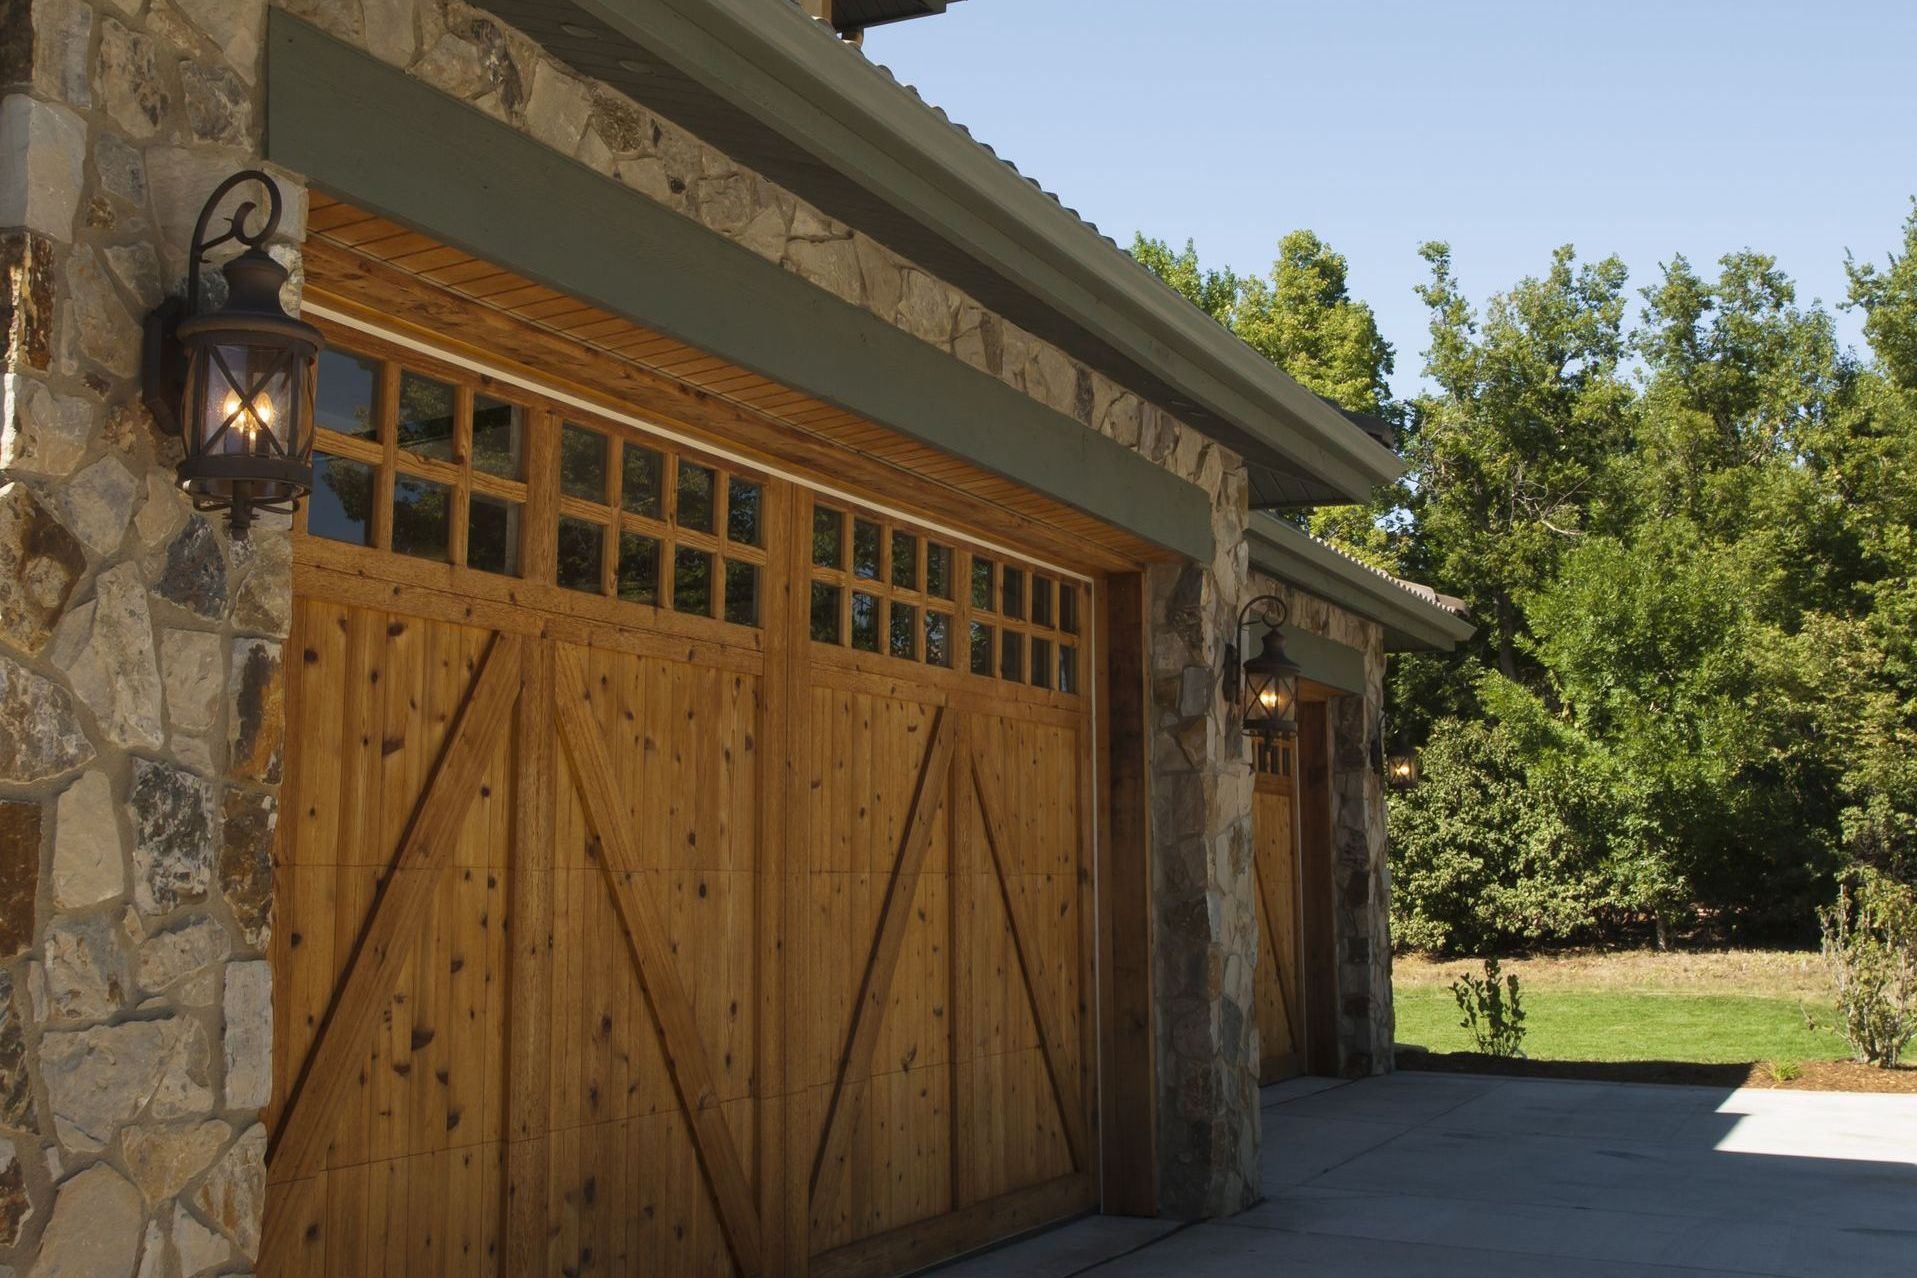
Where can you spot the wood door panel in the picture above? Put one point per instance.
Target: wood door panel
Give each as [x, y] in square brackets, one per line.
[1278, 991]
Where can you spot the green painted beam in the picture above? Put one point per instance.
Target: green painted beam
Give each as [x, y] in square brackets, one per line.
[371, 134]
[1336, 665]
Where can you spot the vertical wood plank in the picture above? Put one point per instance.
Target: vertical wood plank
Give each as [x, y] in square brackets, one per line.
[1314, 828]
[529, 928]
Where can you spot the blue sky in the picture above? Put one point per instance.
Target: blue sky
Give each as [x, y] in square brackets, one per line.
[1629, 127]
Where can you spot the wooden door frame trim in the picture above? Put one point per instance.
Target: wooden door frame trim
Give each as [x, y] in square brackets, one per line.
[1127, 1048]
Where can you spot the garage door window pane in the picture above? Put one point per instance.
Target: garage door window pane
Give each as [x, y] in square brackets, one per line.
[828, 538]
[865, 548]
[742, 593]
[638, 568]
[497, 432]
[1041, 663]
[492, 534]
[582, 550]
[341, 507]
[1011, 655]
[938, 570]
[938, 641]
[744, 499]
[425, 416]
[695, 497]
[981, 584]
[642, 485]
[1041, 600]
[1067, 669]
[1068, 607]
[345, 390]
[982, 639]
[905, 620]
[825, 613]
[905, 561]
[422, 517]
[1012, 592]
[865, 621]
[692, 581]
[582, 463]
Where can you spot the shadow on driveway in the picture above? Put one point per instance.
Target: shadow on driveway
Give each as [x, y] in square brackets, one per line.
[1445, 1174]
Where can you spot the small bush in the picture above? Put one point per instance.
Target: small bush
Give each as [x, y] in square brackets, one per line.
[1493, 1011]
[1783, 1071]
[1870, 948]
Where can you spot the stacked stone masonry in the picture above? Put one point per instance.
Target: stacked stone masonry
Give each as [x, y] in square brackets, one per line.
[140, 686]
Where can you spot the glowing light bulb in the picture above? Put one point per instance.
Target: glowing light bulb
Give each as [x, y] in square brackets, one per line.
[1268, 698]
[253, 417]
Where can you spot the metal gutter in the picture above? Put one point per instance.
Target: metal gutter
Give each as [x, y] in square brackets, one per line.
[1412, 622]
[776, 90]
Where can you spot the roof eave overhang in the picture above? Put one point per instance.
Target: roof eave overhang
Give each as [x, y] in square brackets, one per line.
[772, 71]
[1411, 622]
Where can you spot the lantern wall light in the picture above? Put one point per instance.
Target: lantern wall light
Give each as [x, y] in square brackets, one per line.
[1401, 766]
[236, 382]
[1264, 687]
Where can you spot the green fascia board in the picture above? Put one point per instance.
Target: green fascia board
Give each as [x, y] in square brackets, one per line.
[775, 65]
[371, 134]
[1411, 622]
[1336, 665]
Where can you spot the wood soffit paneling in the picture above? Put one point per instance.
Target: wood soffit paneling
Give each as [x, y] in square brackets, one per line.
[397, 278]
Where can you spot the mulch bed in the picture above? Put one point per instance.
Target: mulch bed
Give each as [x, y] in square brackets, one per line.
[1815, 1076]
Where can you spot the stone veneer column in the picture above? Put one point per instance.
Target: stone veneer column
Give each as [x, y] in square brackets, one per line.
[140, 668]
[1204, 915]
[1361, 880]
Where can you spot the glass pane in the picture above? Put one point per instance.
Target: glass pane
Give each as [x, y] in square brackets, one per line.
[905, 561]
[345, 393]
[692, 581]
[938, 570]
[695, 497]
[905, 620]
[865, 621]
[422, 517]
[1068, 607]
[642, 489]
[1041, 663]
[938, 647]
[425, 416]
[982, 635]
[981, 584]
[497, 430]
[743, 502]
[865, 548]
[638, 568]
[1011, 655]
[1012, 592]
[1067, 669]
[1041, 600]
[492, 534]
[582, 463]
[742, 593]
[828, 538]
[582, 551]
[825, 613]
[341, 506]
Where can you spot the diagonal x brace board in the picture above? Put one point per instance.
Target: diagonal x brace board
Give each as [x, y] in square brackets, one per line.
[679, 1040]
[1064, 1088]
[882, 964]
[393, 927]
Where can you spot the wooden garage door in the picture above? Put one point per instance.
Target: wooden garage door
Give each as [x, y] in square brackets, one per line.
[1279, 987]
[701, 884]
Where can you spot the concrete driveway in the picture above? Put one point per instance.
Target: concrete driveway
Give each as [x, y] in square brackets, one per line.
[1432, 1174]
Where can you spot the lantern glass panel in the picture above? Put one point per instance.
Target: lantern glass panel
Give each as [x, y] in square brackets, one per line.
[247, 401]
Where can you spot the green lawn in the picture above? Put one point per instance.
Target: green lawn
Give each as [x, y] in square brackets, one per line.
[1630, 1025]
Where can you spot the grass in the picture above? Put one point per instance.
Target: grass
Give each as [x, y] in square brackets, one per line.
[1721, 1008]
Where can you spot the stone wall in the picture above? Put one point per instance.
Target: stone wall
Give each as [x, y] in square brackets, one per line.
[1361, 873]
[140, 725]
[140, 687]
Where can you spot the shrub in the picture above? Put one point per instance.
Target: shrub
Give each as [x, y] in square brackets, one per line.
[1870, 947]
[1493, 1011]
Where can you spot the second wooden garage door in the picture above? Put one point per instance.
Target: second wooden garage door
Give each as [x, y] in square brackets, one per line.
[618, 939]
